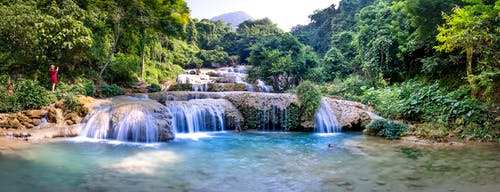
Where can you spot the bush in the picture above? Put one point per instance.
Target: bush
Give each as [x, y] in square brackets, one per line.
[83, 87]
[70, 102]
[28, 94]
[123, 68]
[384, 128]
[111, 90]
[310, 97]
[351, 88]
[154, 88]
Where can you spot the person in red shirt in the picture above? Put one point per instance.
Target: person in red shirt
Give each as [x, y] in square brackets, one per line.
[53, 76]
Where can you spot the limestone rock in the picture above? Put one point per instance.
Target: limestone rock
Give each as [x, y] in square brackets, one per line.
[351, 115]
[37, 122]
[14, 123]
[38, 114]
[73, 117]
[133, 115]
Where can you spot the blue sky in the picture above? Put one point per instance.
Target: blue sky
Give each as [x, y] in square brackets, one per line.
[286, 13]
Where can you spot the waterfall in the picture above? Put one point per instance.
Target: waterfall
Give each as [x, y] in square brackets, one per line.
[262, 86]
[129, 119]
[198, 115]
[325, 120]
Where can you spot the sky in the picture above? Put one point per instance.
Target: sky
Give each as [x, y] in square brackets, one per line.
[286, 13]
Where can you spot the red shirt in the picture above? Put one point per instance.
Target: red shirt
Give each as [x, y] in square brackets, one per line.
[53, 75]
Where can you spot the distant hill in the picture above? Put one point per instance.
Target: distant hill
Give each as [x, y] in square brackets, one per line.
[234, 18]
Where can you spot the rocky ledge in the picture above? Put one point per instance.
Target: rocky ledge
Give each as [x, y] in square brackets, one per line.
[350, 115]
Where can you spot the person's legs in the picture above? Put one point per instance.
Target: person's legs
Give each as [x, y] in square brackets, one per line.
[53, 86]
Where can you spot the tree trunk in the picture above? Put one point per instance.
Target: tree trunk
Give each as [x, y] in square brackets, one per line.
[113, 50]
[142, 63]
[470, 76]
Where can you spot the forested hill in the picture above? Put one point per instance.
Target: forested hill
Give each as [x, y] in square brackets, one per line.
[430, 63]
[233, 18]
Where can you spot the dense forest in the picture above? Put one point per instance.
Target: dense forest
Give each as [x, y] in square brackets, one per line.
[433, 64]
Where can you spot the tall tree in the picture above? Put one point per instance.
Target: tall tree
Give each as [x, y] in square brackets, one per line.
[472, 29]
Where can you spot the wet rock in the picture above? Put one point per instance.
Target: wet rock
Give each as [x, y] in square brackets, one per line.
[27, 125]
[37, 122]
[343, 183]
[14, 123]
[380, 182]
[69, 122]
[417, 185]
[413, 178]
[74, 117]
[364, 179]
[351, 115]
[134, 115]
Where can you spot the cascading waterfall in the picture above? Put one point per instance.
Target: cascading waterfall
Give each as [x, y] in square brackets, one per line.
[325, 120]
[262, 86]
[129, 119]
[198, 115]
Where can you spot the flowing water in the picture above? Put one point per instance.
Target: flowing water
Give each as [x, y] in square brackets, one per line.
[325, 120]
[252, 161]
[198, 115]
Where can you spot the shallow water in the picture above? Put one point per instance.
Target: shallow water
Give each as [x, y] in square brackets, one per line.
[252, 162]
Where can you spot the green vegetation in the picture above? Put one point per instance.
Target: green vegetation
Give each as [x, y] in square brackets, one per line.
[28, 94]
[433, 64]
[429, 63]
[384, 128]
[310, 98]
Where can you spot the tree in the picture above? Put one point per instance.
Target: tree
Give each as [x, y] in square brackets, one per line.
[383, 31]
[281, 60]
[34, 34]
[471, 29]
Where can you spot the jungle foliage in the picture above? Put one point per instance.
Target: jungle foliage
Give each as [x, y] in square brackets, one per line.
[431, 63]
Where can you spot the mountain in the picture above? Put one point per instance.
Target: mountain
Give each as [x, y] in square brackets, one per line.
[234, 18]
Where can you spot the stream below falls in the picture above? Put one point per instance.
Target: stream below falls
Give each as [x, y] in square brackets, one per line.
[251, 161]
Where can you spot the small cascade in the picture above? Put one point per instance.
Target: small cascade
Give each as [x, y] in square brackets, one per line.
[218, 80]
[325, 120]
[129, 119]
[199, 115]
[198, 82]
[248, 85]
[200, 87]
[262, 86]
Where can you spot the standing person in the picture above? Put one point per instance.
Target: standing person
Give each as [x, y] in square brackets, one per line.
[53, 76]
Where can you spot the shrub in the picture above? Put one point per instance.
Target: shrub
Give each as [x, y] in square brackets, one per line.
[123, 68]
[70, 102]
[384, 128]
[351, 88]
[310, 97]
[83, 87]
[154, 88]
[111, 90]
[28, 94]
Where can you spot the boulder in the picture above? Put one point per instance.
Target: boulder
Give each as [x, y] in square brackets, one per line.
[351, 115]
[38, 114]
[55, 115]
[137, 118]
[73, 116]
[37, 122]
[14, 123]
